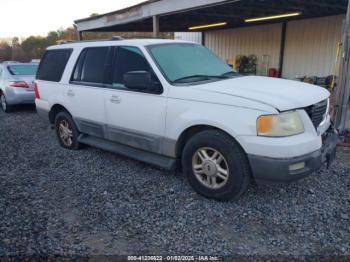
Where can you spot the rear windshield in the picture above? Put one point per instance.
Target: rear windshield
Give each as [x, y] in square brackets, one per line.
[52, 65]
[28, 70]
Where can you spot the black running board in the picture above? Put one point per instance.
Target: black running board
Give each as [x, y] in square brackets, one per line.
[137, 154]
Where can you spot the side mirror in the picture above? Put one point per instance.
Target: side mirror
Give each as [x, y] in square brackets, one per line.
[138, 80]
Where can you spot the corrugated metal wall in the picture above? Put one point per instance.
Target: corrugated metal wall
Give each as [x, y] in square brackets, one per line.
[311, 46]
[189, 36]
[257, 40]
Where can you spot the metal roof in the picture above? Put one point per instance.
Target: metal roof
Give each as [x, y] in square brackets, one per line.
[179, 15]
[127, 9]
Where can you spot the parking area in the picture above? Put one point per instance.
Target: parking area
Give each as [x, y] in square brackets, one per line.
[91, 202]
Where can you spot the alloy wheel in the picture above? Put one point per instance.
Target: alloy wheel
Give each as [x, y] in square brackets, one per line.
[210, 167]
[65, 132]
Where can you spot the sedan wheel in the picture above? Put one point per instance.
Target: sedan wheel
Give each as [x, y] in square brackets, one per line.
[3, 102]
[4, 106]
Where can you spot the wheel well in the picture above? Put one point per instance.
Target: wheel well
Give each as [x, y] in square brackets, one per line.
[54, 111]
[188, 133]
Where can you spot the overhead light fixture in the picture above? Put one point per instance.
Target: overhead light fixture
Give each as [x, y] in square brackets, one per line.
[272, 17]
[207, 26]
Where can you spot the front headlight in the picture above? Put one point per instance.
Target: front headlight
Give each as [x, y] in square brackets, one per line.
[284, 124]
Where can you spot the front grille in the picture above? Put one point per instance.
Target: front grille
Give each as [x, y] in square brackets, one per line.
[317, 112]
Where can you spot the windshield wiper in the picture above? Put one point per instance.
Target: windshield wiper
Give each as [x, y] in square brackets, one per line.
[201, 78]
[230, 73]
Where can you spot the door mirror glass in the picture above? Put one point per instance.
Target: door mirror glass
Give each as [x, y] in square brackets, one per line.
[138, 80]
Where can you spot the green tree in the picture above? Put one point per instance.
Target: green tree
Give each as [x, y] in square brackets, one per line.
[5, 51]
[35, 46]
[17, 51]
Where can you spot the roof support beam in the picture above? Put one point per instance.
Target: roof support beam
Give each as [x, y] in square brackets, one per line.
[155, 26]
[343, 90]
[283, 47]
[79, 33]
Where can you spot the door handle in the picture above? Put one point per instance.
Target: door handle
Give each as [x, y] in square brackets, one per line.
[115, 100]
[70, 93]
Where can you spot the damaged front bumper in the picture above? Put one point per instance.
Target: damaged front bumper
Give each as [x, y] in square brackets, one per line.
[282, 170]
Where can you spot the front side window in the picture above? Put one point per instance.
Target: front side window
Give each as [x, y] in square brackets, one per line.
[188, 63]
[129, 60]
[90, 67]
[28, 70]
[52, 65]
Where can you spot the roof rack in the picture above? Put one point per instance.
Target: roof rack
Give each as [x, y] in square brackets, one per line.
[117, 38]
[114, 38]
[61, 42]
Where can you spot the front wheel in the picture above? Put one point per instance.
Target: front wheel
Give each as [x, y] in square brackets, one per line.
[216, 166]
[66, 131]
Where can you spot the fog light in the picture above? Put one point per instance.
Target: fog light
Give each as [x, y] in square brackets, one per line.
[297, 166]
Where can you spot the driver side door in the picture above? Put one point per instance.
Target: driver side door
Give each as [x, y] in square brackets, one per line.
[135, 117]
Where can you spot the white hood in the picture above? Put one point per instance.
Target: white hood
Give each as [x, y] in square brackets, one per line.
[278, 93]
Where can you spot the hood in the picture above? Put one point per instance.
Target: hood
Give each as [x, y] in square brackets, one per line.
[278, 93]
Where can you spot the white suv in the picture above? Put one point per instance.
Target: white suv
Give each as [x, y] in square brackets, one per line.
[169, 102]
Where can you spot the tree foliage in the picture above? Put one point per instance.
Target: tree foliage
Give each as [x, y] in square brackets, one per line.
[33, 47]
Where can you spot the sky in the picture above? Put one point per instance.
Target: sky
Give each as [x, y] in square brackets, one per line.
[23, 18]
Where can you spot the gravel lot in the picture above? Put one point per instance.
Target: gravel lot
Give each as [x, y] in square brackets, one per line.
[89, 202]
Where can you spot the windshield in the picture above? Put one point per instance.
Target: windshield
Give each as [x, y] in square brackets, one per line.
[23, 69]
[186, 63]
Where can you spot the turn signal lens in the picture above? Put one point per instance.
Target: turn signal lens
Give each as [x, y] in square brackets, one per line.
[264, 124]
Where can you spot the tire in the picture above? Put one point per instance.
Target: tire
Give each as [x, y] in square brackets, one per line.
[4, 105]
[66, 131]
[225, 172]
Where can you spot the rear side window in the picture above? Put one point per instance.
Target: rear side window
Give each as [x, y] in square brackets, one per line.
[52, 65]
[90, 67]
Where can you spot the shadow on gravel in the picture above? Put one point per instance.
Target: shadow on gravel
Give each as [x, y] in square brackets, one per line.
[24, 108]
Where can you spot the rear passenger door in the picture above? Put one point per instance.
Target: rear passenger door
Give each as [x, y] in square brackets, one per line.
[134, 118]
[85, 93]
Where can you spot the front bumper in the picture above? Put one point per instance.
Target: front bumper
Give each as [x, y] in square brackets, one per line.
[278, 170]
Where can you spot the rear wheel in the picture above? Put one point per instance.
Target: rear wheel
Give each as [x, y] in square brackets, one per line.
[4, 105]
[66, 131]
[216, 166]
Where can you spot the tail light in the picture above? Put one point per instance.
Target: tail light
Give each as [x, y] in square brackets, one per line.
[36, 90]
[20, 84]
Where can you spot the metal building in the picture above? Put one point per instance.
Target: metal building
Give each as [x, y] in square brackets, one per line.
[296, 37]
[310, 46]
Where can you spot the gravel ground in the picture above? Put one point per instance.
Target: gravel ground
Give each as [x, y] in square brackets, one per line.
[91, 202]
